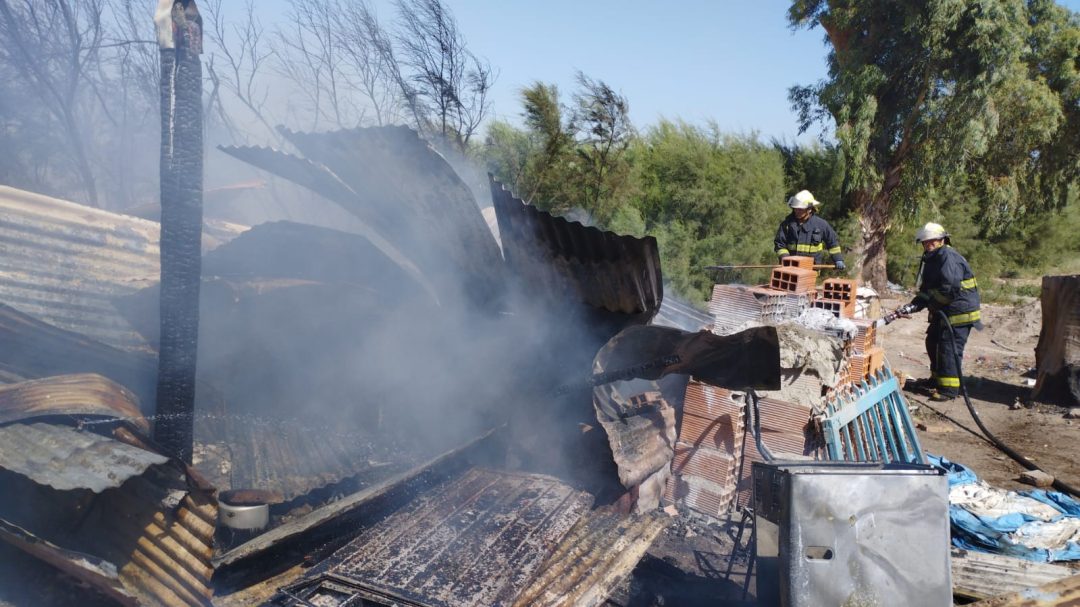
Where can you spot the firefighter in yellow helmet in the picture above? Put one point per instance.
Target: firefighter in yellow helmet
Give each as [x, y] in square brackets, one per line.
[946, 284]
[804, 233]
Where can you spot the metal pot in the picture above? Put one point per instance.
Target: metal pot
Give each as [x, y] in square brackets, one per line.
[242, 513]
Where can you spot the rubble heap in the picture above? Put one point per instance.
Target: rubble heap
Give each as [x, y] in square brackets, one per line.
[827, 355]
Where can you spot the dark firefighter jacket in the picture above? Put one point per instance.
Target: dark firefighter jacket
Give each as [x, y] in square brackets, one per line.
[947, 283]
[813, 238]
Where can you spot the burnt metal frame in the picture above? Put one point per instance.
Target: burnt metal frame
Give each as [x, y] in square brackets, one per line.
[872, 424]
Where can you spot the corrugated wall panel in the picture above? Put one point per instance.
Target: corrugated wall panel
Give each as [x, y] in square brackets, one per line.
[61, 262]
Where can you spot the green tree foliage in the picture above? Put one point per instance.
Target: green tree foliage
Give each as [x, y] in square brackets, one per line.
[567, 158]
[931, 96]
[603, 119]
[820, 169]
[709, 198]
[1034, 244]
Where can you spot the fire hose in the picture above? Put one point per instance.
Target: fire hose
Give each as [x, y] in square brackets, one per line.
[1004, 448]
[1007, 450]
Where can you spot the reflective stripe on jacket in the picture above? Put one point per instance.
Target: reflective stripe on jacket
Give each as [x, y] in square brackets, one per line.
[947, 283]
[812, 238]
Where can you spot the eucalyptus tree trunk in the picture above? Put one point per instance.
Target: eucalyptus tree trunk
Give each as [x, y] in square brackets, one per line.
[874, 213]
[180, 41]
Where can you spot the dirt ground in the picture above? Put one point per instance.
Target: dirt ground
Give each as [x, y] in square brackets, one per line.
[998, 363]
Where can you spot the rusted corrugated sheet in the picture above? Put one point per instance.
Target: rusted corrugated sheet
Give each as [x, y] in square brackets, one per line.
[598, 553]
[67, 458]
[84, 394]
[62, 262]
[30, 348]
[285, 457]
[147, 539]
[568, 262]
[405, 191]
[474, 541]
[164, 553]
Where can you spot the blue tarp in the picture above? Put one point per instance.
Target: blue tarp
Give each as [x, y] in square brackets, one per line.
[1042, 537]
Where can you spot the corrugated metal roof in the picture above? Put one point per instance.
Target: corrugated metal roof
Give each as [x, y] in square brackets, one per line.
[600, 551]
[30, 348]
[405, 191]
[82, 394]
[286, 458]
[150, 538]
[67, 458]
[61, 262]
[474, 541]
[568, 262]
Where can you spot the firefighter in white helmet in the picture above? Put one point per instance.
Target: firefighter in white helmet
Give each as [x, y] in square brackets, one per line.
[804, 233]
[946, 284]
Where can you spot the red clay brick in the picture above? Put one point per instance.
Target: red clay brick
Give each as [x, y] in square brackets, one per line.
[793, 280]
[798, 261]
[714, 466]
[721, 433]
[711, 402]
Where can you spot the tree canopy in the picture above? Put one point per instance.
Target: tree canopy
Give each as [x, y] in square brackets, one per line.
[928, 97]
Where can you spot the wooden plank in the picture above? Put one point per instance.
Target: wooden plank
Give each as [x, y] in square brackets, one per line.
[981, 575]
[1061, 593]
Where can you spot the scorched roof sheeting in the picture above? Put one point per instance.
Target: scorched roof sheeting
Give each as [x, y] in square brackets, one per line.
[62, 262]
[405, 191]
[474, 541]
[570, 262]
[67, 458]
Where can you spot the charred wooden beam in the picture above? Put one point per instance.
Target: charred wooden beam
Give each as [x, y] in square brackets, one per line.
[180, 41]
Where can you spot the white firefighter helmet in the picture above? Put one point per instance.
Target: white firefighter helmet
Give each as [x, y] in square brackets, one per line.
[803, 200]
[931, 231]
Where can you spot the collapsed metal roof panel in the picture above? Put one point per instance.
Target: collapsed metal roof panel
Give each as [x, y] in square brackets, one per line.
[147, 541]
[599, 552]
[301, 171]
[67, 458]
[95, 570]
[474, 541]
[404, 190]
[570, 262]
[30, 348]
[61, 262]
[286, 457]
[84, 394]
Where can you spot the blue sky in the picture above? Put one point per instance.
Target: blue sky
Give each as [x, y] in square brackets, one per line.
[730, 61]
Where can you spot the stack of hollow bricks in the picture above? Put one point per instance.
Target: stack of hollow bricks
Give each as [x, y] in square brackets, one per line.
[710, 470]
[865, 357]
[705, 470]
[793, 279]
[838, 296]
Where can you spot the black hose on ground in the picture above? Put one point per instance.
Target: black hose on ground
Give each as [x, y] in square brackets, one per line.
[1007, 450]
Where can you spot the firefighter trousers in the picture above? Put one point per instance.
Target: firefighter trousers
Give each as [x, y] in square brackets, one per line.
[943, 349]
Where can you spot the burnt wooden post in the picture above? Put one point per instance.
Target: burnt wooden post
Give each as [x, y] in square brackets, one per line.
[179, 32]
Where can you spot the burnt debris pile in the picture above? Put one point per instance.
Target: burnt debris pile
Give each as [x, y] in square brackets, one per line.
[414, 407]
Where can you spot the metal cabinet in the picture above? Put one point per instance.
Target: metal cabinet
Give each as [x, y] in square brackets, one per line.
[851, 534]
